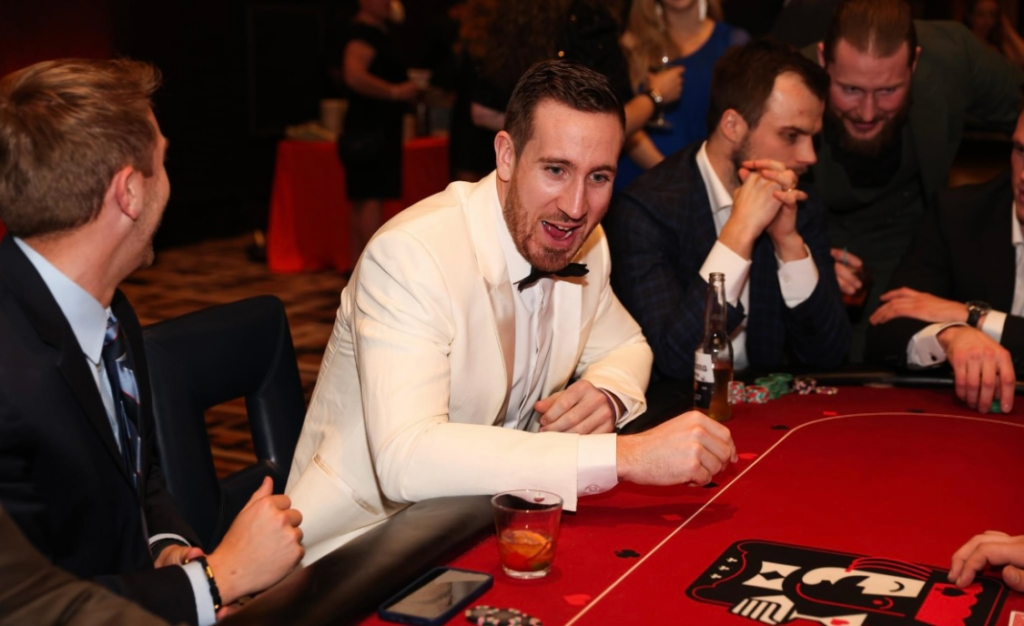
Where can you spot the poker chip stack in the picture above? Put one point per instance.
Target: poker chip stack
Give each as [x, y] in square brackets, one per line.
[736, 392]
[756, 394]
[492, 616]
[783, 381]
[774, 386]
[804, 385]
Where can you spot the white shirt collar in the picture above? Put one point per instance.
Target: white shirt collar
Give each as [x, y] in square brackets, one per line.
[1017, 238]
[87, 317]
[518, 267]
[718, 195]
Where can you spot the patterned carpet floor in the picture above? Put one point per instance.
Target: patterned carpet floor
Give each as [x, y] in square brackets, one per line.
[198, 276]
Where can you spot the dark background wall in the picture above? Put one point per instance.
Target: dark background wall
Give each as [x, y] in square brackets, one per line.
[235, 73]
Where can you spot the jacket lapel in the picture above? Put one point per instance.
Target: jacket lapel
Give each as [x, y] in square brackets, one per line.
[53, 329]
[481, 217]
[998, 268]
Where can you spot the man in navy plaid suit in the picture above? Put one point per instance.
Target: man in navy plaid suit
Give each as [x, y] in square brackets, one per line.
[730, 204]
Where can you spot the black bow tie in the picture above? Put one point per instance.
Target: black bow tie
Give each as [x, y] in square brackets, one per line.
[572, 270]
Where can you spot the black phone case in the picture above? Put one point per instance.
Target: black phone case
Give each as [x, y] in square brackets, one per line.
[403, 618]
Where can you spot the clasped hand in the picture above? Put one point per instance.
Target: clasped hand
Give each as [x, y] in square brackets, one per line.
[766, 201]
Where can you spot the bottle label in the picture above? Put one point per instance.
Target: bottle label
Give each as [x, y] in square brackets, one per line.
[703, 379]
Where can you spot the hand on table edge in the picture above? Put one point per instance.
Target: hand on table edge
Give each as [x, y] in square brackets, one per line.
[982, 368]
[989, 549]
[687, 449]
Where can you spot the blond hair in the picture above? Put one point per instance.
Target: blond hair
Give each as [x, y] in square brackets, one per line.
[646, 40]
[66, 127]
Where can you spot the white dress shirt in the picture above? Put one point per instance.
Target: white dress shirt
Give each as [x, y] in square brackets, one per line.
[797, 279]
[596, 453]
[924, 349]
[88, 321]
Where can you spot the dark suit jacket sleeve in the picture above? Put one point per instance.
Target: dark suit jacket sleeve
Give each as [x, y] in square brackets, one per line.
[33, 591]
[995, 83]
[818, 329]
[644, 277]
[926, 268]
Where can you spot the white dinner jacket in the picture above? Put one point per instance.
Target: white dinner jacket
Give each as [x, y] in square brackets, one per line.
[421, 357]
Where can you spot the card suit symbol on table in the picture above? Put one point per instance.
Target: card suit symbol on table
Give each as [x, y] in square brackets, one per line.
[780, 427]
[829, 413]
[672, 517]
[748, 456]
[577, 599]
[711, 485]
[627, 554]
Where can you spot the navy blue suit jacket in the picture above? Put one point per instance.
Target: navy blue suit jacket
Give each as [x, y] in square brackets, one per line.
[660, 230]
[61, 474]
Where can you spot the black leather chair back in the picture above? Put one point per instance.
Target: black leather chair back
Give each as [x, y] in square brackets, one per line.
[202, 359]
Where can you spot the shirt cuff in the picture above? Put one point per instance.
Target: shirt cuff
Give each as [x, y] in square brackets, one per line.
[736, 269]
[797, 279]
[201, 592]
[596, 471]
[168, 537]
[993, 325]
[621, 406]
[924, 349]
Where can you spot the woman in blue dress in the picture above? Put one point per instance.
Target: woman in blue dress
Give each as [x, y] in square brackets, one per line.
[686, 33]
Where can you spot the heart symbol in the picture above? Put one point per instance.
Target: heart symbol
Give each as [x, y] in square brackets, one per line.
[578, 599]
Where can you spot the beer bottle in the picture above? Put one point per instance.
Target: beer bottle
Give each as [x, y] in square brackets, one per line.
[712, 363]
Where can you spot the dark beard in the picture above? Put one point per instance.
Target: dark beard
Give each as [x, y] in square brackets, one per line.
[550, 260]
[881, 142]
[740, 154]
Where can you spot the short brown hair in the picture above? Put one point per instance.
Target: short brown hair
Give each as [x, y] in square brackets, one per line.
[566, 82]
[66, 127]
[744, 78]
[875, 27]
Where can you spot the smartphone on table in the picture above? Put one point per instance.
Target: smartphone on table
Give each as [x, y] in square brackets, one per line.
[435, 597]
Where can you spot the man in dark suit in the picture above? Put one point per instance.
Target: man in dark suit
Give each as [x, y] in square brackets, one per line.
[730, 205]
[901, 94]
[959, 295]
[82, 190]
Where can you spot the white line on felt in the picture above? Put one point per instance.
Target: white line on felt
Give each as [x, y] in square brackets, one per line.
[750, 467]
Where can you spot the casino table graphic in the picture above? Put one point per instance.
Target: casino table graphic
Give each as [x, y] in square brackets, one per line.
[775, 583]
[899, 478]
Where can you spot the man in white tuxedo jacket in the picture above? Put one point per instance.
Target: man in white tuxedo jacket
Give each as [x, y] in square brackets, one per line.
[459, 364]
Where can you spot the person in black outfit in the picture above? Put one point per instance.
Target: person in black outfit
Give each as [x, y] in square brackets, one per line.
[505, 38]
[371, 145]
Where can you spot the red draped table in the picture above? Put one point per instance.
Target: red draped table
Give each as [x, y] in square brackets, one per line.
[309, 210]
[850, 504]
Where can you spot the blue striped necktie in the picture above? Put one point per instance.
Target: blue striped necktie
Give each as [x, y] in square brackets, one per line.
[117, 362]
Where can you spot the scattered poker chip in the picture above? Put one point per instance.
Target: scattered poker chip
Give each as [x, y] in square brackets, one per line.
[828, 391]
[995, 408]
[782, 376]
[736, 392]
[804, 385]
[483, 615]
[756, 394]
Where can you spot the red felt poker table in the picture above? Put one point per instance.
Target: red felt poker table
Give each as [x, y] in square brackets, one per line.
[885, 480]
